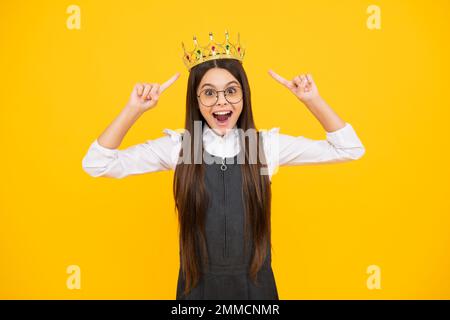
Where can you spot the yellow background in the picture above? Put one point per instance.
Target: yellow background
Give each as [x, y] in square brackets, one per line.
[60, 88]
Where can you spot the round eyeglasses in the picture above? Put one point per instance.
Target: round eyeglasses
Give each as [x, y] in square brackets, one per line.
[209, 96]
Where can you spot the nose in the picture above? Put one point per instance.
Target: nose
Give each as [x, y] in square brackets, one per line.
[221, 98]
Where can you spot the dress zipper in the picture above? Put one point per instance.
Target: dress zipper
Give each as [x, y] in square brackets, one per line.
[223, 167]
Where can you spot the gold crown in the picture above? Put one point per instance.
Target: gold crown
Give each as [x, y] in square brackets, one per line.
[212, 50]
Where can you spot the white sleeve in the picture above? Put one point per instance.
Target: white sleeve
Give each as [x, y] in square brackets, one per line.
[339, 146]
[151, 156]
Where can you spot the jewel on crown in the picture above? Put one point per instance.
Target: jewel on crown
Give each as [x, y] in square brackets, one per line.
[213, 50]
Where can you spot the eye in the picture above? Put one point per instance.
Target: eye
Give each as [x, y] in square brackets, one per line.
[231, 90]
[209, 92]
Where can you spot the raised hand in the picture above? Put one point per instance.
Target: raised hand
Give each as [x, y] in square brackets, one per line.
[302, 86]
[146, 95]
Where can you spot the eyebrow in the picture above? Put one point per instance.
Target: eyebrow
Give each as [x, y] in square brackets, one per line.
[209, 84]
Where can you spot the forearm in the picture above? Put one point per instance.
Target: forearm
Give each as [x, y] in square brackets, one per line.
[113, 135]
[329, 120]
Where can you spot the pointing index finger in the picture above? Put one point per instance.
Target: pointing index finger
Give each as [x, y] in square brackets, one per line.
[169, 82]
[280, 79]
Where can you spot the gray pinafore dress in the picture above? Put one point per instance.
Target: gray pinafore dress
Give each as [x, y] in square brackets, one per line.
[227, 275]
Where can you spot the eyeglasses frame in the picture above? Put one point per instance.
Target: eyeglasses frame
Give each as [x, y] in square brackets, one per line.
[217, 95]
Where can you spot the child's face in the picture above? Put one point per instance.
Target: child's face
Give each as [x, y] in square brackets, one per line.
[217, 79]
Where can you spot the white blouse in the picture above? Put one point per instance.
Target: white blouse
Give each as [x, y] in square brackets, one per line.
[280, 150]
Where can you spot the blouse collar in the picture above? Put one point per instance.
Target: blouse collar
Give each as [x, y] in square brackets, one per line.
[221, 146]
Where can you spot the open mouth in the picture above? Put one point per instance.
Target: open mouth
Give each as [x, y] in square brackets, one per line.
[222, 116]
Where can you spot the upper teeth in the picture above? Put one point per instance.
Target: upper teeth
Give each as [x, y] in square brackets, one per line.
[222, 112]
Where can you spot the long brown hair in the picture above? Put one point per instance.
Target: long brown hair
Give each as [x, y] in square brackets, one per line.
[191, 198]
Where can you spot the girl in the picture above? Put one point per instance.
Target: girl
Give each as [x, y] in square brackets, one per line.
[224, 207]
